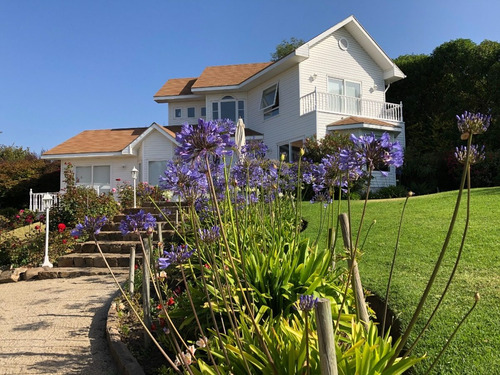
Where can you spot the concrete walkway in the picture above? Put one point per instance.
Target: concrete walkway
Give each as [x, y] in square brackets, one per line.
[56, 326]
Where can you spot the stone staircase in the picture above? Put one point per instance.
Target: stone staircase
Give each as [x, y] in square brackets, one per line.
[86, 260]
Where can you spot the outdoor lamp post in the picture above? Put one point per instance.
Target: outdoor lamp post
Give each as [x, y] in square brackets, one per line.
[47, 204]
[134, 177]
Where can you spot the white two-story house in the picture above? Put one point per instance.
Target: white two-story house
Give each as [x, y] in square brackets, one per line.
[334, 82]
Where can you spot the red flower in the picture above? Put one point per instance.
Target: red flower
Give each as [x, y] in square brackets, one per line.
[64, 241]
[75, 237]
[170, 301]
[206, 265]
[37, 227]
[159, 307]
[61, 227]
[136, 266]
[153, 327]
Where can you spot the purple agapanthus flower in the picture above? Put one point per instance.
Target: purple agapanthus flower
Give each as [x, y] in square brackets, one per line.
[477, 154]
[307, 302]
[325, 175]
[177, 255]
[211, 235]
[184, 180]
[472, 123]
[134, 223]
[255, 149]
[90, 225]
[207, 139]
[369, 153]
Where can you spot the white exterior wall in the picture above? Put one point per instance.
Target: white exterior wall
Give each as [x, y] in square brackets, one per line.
[120, 167]
[287, 126]
[183, 106]
[327, 59]
[155, 147]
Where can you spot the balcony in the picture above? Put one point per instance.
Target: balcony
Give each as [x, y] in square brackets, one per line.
[348, 105]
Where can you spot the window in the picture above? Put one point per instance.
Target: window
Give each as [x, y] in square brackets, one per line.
[97, 176]
[191, 112]
[291, 150]
[178, 113]
[155, 170]
[228, 108]
[203, 111]
[270, 101]
[345, 96]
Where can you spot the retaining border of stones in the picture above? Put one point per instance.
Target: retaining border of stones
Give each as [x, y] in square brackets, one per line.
[124, 360]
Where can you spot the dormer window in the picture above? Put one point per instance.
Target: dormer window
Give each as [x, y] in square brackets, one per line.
[270, 101]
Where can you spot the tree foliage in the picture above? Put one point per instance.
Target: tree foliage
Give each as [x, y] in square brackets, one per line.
[286, 47]
[458, 75]
[22, 170]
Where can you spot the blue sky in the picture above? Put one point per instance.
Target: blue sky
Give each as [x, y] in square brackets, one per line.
[72, 65]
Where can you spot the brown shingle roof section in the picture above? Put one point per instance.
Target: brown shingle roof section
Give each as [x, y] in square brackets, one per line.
[351, 120]
[228, 75]
[97, 141]
[176, 87]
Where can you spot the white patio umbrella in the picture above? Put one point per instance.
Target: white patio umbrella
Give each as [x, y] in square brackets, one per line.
[239, 135]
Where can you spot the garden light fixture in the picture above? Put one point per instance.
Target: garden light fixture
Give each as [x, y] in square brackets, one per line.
[134, 178]
[47, 204]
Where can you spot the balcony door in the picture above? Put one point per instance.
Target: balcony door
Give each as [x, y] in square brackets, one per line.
[345, 96]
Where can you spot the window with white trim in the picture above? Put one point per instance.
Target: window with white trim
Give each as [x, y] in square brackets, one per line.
[270, 102]
[291, 150]
[155, 171]
[346, 96]
[178, 112]
[228, 108]
[96, 176]
[190, 111]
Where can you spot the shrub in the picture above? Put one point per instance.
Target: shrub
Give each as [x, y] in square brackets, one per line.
[387, 192]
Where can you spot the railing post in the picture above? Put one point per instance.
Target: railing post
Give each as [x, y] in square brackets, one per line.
[31, 199]
[131, 270]
[146, 293]
[326, 338]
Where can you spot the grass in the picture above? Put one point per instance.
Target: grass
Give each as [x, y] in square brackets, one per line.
[475, 348]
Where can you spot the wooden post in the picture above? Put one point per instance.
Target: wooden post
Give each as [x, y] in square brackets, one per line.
[146, 294]
[326, 337]
[131, 270]
[361, 310]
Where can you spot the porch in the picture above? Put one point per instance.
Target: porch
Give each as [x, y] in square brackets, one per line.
[348, 105]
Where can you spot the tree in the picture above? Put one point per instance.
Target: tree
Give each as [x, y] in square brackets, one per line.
[285, 48]
[457, 76]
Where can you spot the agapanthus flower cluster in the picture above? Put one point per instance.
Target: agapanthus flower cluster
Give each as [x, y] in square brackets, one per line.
[134, 223]
[307, 302]
[176, 255]
[324, 176]
[472, 123]
[184, 181]
[477, 154]
[255, 149]
[90, 225]
[207, 139]
[209, 236]
[369, 153]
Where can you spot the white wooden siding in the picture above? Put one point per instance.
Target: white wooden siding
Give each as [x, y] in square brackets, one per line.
[183, 106]
[155, 147]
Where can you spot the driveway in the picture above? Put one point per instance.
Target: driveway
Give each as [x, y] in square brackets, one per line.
[56, 326]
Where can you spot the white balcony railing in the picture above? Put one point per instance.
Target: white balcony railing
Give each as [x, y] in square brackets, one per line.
[332, 103]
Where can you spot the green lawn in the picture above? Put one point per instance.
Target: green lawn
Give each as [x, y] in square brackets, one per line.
[476, 347]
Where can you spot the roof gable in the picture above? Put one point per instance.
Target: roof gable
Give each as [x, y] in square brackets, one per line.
[97, 141]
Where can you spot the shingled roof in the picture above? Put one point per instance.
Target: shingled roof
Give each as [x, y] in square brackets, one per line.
[100, 141]
[212, 76]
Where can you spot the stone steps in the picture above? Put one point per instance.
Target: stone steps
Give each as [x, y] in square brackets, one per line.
[69, 272]
[95, 260]
[113, 244]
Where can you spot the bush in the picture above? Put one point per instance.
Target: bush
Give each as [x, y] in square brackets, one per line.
[387, 192]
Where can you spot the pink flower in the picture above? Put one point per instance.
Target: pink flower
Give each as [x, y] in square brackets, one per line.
[113, 190]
